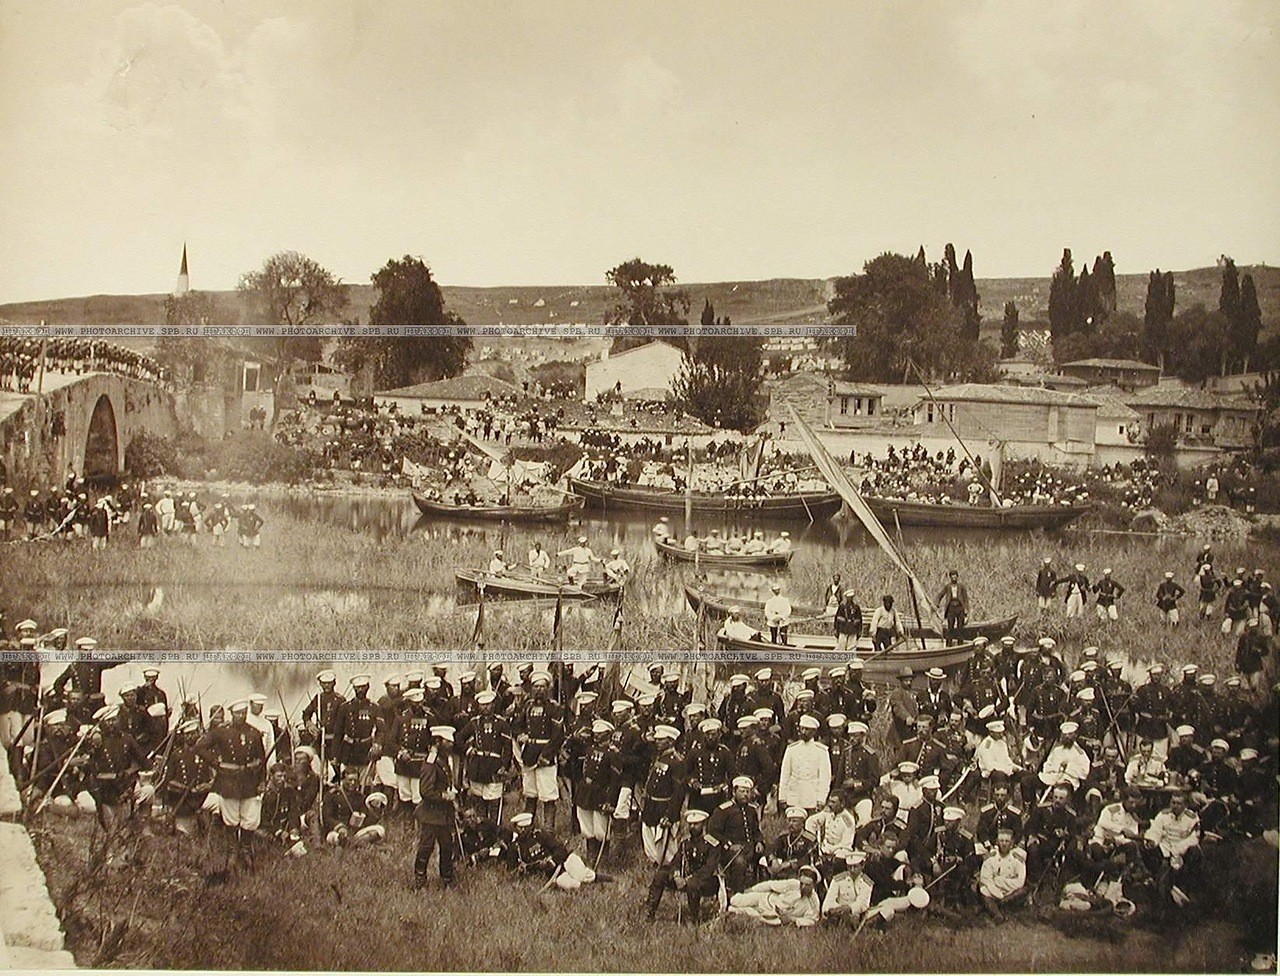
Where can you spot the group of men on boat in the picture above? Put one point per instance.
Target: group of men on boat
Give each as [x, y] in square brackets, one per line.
[1024, 777]
[735, 543]
[579, 559]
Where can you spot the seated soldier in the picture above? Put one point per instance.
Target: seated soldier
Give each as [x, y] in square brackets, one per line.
[1002, 881]
[532, 850]
[791, 849]
[849, 893]
[1173, 850]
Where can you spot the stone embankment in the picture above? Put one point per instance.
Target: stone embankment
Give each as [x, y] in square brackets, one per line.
[31, 936]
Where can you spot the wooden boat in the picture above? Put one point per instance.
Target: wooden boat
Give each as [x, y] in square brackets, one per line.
[717, 606]
[880, 667]
[499, 513]
[961, 516]
[810, 506]
[722, 560]
[525, 587]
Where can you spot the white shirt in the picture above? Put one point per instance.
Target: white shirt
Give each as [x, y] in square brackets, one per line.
[805, 778]
[992, 755]
[1174, 835]
[1003, 874]
[268, 733]
[850, 891]
[781, 545]
[777, 610]
[539, 560]
[1146, 772]
[496, 566]
[1065, 763]
[882, 619]
[737, 630]
[1115, 825]
[834, 831]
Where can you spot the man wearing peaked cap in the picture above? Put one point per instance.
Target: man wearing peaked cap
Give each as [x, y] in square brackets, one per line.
[805, 777]
[664, 791]
[791, 901]
[533, 850]
[692, 872]
[236, 752]
[735, 823]
[1168, 593]
[1075, 586]
[538, 726]
[358, 728]
[766, 695]
[485, 742]
[1152, 708]
[113, 759]
[1108, 593]
[849, 894]
[436, 813]
[1067, 762]
[319, 715]
[794, 847]
[596, 788]
[708, 763]
[735, 703]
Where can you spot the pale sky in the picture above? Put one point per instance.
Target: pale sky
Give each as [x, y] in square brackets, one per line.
[543, 142]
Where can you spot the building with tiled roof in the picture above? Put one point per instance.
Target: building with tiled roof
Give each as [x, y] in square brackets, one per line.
[1201, 417]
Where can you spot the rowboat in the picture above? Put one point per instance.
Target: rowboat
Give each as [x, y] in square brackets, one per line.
[810, 506]
[723, 560]
[718, 606]
[499, 513]
[819, 650]
[528, 588]
[961, 516]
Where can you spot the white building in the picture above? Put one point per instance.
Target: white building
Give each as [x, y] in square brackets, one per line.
[651, 366]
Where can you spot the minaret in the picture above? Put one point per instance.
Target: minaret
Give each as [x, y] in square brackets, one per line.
[184, 281]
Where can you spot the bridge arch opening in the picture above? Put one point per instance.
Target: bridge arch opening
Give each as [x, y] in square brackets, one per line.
[102, 445]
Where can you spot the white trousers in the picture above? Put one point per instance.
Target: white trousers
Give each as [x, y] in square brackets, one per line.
[655, 839]
[574, 873]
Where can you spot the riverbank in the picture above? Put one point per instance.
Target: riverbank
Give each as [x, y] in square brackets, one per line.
[172, 903]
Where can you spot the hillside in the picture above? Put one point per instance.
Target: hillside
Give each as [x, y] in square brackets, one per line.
[777, 301]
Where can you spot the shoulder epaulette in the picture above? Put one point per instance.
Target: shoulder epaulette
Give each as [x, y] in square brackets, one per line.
[1012, 809]
[725, 805]
[711, 840]
[989, 806]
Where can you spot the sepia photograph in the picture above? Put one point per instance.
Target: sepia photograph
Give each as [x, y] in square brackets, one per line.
[641, 487]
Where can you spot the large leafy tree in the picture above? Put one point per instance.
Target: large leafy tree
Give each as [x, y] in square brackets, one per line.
[1196, 346]
[647, 298]
[719, 380]
[407, 295]
[292, 289]
[901, 318]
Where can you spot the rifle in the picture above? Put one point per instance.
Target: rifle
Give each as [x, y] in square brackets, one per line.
[66, 764]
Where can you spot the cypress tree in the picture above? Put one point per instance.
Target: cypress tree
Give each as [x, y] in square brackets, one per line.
[1229, 306]
[1250, 319]
[1009, 331]
[1062, 298]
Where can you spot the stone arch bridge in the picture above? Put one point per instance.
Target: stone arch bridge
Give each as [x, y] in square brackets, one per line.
[78, 422]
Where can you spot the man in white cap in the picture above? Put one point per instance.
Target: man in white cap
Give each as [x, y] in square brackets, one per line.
[777, 614]
[736, 825]
[782, 544]
[249, 527]
[692, 872]
[861, 771]
[596, 789]
[409, 741]
[736, 629]
[1108, 593]
[235, 751]
[1067, 762]
[1168, 593]
[1076, 587]
[113, 759]
[149, 692]
[256, 718]
[616, 569]
[485, 742]
[436, 811]
[1174, 838]
[539, 731]
[709, 762]
[664, 791]
[805, 777]
[993, 753]
[498, 566]
[756, 544]
[662, 530]
[580, 559]
[790, 901]
[318, 717]
[736, 703]
[792, 848]
[358, 728]
[188, 777]
[1151, 706]
[849, 894]
[533, 850]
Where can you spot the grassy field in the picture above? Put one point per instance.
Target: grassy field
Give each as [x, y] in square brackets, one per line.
[317, 585]
[167, 902]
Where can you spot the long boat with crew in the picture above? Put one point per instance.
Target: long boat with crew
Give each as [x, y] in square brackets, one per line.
[671, 549]
[916, 653]
[558, 512]
[810, 506]
[523, 586]
[717, 606]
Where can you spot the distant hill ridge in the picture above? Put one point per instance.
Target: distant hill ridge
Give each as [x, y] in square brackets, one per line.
[776, 301]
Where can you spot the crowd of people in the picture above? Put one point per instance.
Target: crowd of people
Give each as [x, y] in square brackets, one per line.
[1033, 776]
[21, 359]
[79, 510]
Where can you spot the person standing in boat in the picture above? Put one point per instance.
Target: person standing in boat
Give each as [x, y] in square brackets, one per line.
[777, 613]
[848, 623]
[580, 559]
[832, 594]
[953, 604]
[886, 624]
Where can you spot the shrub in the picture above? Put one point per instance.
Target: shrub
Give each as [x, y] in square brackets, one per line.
[150, 455]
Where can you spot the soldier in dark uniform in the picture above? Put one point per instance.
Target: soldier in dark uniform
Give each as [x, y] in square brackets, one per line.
[446, 687]
[920, 747]
[669, 708]
[485, 743]
[538, 727]
[281, 814]
[752, 757]
[859, 700]
[436, 809]
[318, 720]
[935, 700]
[85, 677]
[1150, 706]
[1047, 706]
[766, 695]
[861, 772]
[500, 686]
[953, 861]
[347, 817]
[708, 767]
[409, 741]
[595, 791]
[464, 705]
[664, 792]
[479, 838]
[1054, 831]
[1000, 814]
[187, 777]
[235, 750]
[791, 849]
[693, 872]
[735, 823]
[357, 728]
[735, 704]
[112, 761]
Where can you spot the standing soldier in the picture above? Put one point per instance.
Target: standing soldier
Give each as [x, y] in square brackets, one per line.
[1168, 593]
[538, 727]
[1077, 591]
[485, 743]
[596, 789]
[1108, 591]
[1046, 585]
[436, 813]
[708, 768]
[410, 741]
[953, 604]
[904, 707]
[663, 795]
[239, 760]
[113, 759]
[1151, 706]
[188, 777]
[357, 728]
[318, 719]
